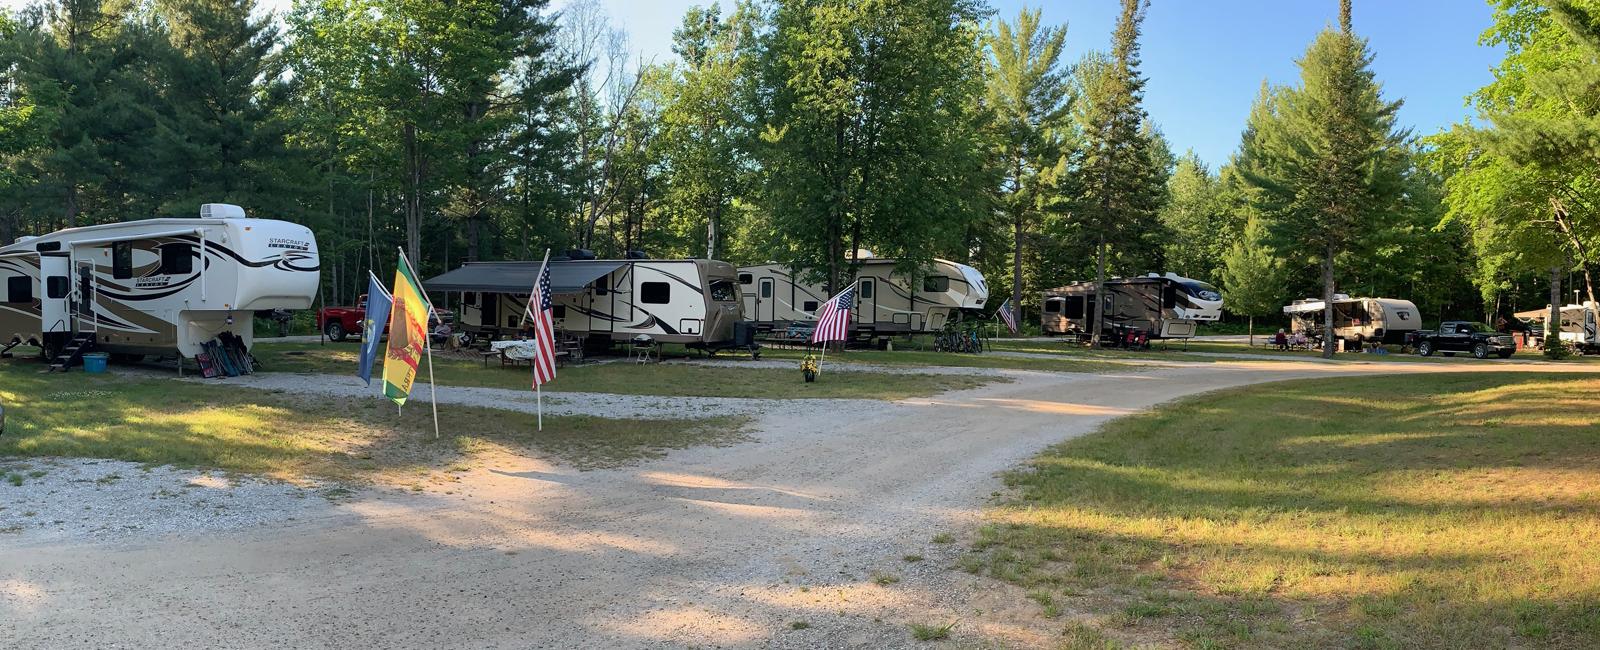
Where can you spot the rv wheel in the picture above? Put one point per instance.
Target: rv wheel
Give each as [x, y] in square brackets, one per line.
[334, 331]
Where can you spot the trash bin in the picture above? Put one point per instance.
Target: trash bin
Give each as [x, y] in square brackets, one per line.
[95, 362]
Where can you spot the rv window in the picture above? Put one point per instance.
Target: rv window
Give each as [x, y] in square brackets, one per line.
[1403, 314]
[866, 289]
[122, 260]
[1074, 307]
[936, 284]
[1052, 306]
[810, 306]
[19, 289]
[1169, 296]
[746, 278]
[766, 289]
[469, 298]
[558, 311]
[723, 291]
[602, 285]
[655, 293]
[56, 287]
[175, 260]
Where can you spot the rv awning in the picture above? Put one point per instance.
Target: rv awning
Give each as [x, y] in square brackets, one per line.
[518, 277]
[1303, 307]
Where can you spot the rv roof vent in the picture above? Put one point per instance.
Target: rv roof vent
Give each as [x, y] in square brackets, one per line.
[221, 211]
[1341, 296]
[24, 238]
[637, 255]
[580, 254]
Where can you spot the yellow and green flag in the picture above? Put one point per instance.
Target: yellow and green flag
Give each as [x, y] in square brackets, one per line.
[408, 333]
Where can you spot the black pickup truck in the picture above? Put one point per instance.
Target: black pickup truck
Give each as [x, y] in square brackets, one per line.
[1464, 336]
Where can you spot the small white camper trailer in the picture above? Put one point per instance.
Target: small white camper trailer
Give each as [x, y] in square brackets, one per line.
[1162, 306]
[1357, 320]
[888, 301]
[155, 286]
[693, 302]
[1579, 326]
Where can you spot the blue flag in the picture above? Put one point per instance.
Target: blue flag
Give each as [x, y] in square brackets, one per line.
[372, 324]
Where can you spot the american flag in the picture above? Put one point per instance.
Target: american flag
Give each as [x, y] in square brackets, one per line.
[834, 317]
[544, 329]
[1007, 314]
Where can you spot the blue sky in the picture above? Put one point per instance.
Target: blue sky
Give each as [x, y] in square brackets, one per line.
[1206, 59]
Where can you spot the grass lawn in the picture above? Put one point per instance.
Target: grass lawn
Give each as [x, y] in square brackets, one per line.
[164, 421]
[634, 379]
[1444, 512]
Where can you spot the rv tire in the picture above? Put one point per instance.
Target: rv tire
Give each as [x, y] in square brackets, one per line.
[335, 331]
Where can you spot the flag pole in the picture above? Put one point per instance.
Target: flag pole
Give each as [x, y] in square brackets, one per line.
[538, 386]
[427, 343]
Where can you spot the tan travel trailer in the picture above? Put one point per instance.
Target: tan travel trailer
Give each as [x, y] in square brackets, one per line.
[156, 286]
[1161, 306]
[888, 301]
[693, 302]
[1357, 320]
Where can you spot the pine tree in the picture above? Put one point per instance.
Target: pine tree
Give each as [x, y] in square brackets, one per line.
[1197, 232]
[1329, 163]
[1122, 170]
[1253, 282]
[1029, 95]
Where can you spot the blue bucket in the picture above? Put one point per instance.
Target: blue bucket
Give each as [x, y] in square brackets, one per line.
[95, 362]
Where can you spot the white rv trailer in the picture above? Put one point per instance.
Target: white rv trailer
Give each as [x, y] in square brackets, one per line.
[693, 302]
[1358, 320]
[1163, 306]
[887, 301]
[1578, 325]
[155, 286]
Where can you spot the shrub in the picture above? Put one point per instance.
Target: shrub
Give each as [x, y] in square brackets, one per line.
[1555, 349]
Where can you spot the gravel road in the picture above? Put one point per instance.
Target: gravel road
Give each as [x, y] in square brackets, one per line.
[709, 547]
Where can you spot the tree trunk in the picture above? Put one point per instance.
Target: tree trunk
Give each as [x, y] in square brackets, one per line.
[413, 195]
[1552, 327]
[1327, 303]
[1251, 330]
[1016, 266]
[1099, 292]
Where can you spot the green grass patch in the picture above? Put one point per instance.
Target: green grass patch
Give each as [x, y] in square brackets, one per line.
[191, 424]
[1440, 512]
[949, 359]
[635, 379]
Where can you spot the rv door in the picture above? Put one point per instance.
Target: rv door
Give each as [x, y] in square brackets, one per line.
[85, 298]
[867, 296]
[766, 301]
[55, 285]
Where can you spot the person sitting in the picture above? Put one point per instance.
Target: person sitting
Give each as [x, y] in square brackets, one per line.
[1280, 340]
[1299, 340]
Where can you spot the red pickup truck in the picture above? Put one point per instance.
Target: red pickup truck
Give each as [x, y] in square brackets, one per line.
[340, 322]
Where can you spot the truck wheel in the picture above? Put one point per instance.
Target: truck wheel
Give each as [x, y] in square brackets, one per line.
[1480, 351]
[1425, 349]
[335, 331]
[1506, 354]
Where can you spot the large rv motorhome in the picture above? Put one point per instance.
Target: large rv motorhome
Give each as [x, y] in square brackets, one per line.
[155, 286]
[1160, 306]
[888, 301]
[1357, 320]
[693, 302]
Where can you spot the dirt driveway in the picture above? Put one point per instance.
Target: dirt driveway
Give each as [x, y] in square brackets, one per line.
[799, 539]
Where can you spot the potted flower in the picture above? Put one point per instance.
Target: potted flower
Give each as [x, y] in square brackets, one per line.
[809, 368]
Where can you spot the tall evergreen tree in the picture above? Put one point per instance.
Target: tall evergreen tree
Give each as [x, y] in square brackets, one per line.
[222, 136]
[1197, 233]
[1330, 164]
[1253, 282]
[1122, 172]
[1029, 95]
